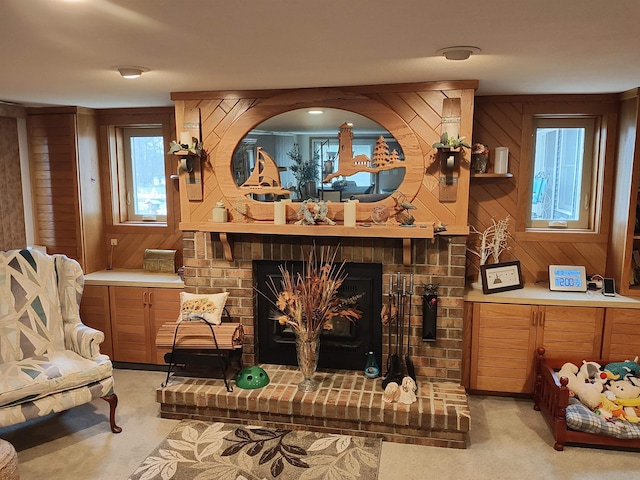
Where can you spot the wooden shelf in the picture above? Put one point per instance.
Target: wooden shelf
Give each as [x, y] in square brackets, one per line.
[491, 175]
[407, 234]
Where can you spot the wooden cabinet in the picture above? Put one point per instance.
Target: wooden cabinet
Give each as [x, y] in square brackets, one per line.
[95, 313]
[621, 339]
[136, 316]
[505, 336]
[65, 177]
[624, 239]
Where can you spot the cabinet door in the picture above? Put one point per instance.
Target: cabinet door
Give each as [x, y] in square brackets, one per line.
[503, 344]
[130, 324]
[571, 332]
[95, 313]
[164, 304]
[621, 334]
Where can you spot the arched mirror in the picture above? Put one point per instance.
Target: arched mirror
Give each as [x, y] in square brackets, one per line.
[325, 153]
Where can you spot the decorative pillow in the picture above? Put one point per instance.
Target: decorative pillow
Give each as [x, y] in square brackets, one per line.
[208, 307]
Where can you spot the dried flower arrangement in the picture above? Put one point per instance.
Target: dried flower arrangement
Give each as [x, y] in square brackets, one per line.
[308, 301]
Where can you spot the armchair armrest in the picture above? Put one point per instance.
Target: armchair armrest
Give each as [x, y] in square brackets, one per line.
[83, 340]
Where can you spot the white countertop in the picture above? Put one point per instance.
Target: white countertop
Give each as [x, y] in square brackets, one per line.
[133, 278]
[541, 295]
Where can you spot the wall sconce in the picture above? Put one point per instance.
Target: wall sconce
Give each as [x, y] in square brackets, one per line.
[132, 72]
[458, 53]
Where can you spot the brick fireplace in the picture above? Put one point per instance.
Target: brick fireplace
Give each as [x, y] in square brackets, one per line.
[220, 257]
[347, 402]
[440, 260]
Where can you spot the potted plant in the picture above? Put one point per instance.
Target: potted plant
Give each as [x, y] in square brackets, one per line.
[450, 144]
[305, 172]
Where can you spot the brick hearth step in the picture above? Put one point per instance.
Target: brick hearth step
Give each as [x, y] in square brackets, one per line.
[346, 403]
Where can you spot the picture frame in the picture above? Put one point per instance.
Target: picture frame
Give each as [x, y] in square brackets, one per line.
[501, 277]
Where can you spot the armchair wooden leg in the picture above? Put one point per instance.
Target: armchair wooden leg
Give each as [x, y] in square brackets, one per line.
[113, 403]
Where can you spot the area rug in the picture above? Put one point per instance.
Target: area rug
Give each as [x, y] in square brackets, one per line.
[197, 450]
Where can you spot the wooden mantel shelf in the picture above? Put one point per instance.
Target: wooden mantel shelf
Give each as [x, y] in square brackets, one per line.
[360, 230]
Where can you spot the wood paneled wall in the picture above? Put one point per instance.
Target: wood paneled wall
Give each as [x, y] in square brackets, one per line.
[54, 173]
[134, 240]
[501, 121]
[412, 113]
[12, 231]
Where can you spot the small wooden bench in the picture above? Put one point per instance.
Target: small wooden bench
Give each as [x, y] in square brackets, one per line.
[196, 342]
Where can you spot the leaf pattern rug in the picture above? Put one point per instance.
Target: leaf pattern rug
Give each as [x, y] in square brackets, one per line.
[197, 450]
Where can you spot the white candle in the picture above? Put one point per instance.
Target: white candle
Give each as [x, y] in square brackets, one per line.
[279, 213]
[501, 160]
[350, 214]
[185, 138]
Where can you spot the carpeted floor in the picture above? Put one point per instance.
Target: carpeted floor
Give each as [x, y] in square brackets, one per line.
[508, 440]
[196, 449]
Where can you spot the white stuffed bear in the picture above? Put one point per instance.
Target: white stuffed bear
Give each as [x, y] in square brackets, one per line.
[587, 392]
[627, 396]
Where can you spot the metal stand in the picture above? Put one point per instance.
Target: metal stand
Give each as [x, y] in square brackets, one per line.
[186, 357]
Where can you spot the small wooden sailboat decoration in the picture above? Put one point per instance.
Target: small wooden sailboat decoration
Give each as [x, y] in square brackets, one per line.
[265, 177]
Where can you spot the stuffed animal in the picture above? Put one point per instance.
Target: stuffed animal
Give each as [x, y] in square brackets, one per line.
[608, 409]
[592, 372]
[627, 396]
[588, 393]
[621, 369]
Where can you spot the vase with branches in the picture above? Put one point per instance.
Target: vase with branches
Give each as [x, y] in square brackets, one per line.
[308, 302]
[493, 240]
[304, 171]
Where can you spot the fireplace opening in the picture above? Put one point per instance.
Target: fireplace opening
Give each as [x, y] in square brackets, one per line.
[344, 347]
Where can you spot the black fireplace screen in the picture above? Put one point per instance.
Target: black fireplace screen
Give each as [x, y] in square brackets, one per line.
[344, 347]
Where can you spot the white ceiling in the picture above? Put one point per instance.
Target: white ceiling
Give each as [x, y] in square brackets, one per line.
[64, 52]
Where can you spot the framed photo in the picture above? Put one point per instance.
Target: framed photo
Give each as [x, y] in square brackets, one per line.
[500, 277]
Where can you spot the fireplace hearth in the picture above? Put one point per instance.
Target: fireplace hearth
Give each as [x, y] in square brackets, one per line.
[346, 346]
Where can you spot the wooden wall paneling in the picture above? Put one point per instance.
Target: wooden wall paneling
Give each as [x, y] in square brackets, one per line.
[12, 226]
[505, 121]
[91, 211]
[245, 112]
[625, 196]
[52, 149]
[133, 240]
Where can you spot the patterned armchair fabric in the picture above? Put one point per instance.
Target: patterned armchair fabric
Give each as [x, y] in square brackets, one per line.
[49, 360]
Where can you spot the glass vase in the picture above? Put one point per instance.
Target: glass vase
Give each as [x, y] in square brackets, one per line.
[308, 349]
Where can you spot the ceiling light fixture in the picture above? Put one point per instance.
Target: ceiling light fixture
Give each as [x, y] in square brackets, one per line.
[458, 53]
[132, 72]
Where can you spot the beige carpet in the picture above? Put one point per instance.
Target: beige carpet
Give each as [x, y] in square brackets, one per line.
[509, 440]
[226, 451]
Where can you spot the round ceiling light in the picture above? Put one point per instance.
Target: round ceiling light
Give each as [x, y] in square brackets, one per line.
[458, 52]
[132, 72]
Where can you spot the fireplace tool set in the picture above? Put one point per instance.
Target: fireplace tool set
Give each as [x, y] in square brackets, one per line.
[400, 289]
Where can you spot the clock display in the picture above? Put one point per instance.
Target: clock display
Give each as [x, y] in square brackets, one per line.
[567, 278]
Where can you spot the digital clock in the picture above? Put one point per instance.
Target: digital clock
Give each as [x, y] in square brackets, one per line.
[567, 278]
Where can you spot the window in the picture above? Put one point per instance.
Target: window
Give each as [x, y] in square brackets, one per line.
[143, 162]
[563, 173]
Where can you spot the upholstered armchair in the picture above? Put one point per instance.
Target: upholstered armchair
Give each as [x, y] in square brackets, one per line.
[49, 360]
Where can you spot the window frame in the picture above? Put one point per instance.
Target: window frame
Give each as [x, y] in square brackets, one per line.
[606, 110]
[127, 133]
[587, 179]
[112, 123]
